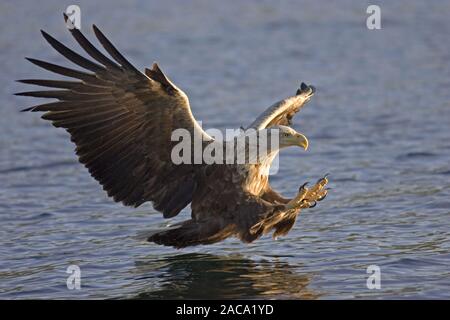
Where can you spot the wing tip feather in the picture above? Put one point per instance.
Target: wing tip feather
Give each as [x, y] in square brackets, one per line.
[305, 89]
[27, 109]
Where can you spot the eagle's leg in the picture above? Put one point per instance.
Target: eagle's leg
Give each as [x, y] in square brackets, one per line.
[308, 197]
[283, 220]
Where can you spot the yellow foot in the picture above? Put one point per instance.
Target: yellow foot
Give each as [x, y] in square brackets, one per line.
[308, 197]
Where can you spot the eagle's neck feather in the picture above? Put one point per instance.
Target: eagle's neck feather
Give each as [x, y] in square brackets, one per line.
[257, 175]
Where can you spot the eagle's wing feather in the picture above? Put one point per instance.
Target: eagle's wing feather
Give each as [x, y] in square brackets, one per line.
[282, 112]
[121, 121]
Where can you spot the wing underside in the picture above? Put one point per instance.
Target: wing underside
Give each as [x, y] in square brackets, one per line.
[121, 121]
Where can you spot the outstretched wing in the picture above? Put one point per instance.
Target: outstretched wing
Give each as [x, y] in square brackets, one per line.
[282, 112]
[121, 121]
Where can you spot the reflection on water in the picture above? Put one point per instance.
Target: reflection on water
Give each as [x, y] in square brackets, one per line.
[207, 276]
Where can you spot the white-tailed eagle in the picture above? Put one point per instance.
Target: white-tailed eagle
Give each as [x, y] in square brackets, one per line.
[121, 121]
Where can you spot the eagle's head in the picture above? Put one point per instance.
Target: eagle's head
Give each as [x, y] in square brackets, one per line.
[289, 137]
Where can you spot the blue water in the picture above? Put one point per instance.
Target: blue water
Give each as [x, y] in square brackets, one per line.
[379, 123]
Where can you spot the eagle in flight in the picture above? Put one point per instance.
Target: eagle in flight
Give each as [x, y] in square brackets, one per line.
[121, 121]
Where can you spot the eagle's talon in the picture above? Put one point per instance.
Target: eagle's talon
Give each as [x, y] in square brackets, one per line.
[323, 197]
[323, 181]
[313, 205]
[303, 186]
[308, 198]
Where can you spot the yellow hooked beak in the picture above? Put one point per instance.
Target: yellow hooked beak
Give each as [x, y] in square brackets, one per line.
[301, 141]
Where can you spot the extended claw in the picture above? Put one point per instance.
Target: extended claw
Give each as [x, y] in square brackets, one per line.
[325, 193]
[302, 187]
[314, 204]
[323, 197]
[323, 181]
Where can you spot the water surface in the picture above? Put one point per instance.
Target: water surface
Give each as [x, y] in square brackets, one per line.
[379, 124]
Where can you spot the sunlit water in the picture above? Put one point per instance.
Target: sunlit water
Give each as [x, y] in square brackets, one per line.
[379, 124]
